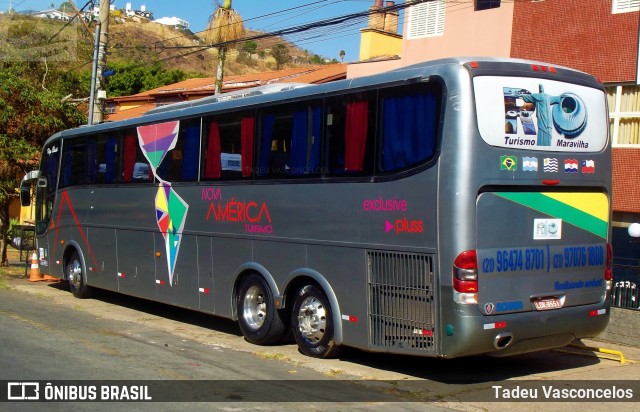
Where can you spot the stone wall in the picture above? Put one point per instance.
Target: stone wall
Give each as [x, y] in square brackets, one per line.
[624, 327]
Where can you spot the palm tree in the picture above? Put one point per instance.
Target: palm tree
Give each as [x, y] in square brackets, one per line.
[225, 25]
[342, 53]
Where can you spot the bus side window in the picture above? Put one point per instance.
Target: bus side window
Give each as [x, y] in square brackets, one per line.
[409, 127]
[181, 163]
[102, 159]
[74, 161]
[228, 153]
[350, 126]
[290, 141]
[135, 167]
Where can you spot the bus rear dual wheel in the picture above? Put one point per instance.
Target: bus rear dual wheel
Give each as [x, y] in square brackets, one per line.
[312, 323]
[262, 324]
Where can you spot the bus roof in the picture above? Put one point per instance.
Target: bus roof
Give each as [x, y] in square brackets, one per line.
[291, 91]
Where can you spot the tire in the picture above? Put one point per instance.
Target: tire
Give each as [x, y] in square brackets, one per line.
[77, 278]
[258, 317]
[312, 323]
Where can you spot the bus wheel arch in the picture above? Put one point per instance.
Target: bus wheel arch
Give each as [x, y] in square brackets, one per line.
[256, 311]
[75, 271]
[315, 316]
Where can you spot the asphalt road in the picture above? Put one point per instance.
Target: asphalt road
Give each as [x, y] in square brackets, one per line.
[46, 334]
[46, 342]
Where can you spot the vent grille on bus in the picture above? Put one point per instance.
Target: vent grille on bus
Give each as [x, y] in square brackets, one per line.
[401, 301]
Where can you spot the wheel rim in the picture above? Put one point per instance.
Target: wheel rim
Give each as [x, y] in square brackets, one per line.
[75, 274]
[254, 308]
[312, 319]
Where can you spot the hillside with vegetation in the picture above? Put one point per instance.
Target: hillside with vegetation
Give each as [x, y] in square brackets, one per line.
[142, 53]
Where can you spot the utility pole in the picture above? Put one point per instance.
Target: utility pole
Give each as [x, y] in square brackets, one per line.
[99, 92]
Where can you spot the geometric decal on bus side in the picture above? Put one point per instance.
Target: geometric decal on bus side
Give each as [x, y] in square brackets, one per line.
[64, 198]
[587, 211]
[171, 210]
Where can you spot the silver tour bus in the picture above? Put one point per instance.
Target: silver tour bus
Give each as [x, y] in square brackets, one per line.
[450, 208]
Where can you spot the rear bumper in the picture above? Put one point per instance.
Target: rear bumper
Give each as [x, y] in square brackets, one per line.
[528, 331]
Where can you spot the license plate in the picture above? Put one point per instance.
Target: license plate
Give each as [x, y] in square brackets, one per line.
[547, 304]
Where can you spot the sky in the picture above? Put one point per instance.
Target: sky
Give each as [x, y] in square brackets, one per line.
[262, 15]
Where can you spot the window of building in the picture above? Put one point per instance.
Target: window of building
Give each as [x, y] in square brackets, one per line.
[487, 4]
[624, 114]
[625, 6]
[426, 19]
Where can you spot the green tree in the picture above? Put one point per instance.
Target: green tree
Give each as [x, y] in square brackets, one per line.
[250, 47]
[281, 53]
[342, 53]
[316, 59]
[133, 78]
[32, 110]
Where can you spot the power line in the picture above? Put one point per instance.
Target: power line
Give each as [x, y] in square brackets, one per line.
[296, 29]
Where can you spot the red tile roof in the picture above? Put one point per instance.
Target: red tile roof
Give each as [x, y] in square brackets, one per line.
[205, 86]
[626, 180]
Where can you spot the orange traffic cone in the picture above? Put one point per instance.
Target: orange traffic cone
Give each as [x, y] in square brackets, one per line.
[49, 278]
[34, 275]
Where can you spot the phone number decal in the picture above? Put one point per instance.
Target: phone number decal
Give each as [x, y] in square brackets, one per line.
[543, 259]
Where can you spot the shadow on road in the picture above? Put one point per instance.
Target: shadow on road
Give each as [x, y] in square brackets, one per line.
[474, 369]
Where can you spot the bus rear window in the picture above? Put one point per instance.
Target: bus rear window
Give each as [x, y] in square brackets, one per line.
[540, 114]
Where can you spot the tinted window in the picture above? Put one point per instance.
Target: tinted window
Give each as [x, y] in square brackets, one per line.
[350, 130]
[290, 141]
[228, 146]
[409, 118]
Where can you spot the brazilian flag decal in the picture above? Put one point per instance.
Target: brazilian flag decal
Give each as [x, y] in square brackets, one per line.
[509, 163]
[588, 211]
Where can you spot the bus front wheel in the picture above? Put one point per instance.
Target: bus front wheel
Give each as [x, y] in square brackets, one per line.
[312, 323]
[258, 317]
[77, 278]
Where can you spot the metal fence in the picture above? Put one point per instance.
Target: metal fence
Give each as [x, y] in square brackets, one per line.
[626, 283]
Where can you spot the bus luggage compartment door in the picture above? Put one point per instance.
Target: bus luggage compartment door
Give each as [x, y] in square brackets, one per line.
[540, 251]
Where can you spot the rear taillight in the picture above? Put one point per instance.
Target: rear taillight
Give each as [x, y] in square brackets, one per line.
[608, 269]
[465, 277]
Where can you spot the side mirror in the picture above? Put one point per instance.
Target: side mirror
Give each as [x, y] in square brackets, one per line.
[25, 193]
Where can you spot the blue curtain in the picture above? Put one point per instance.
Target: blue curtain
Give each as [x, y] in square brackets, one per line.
[409, 130]
[191, 153]
[268, 122]
[314, 158]
[110, 160]
[92, 164]
[305, 141]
